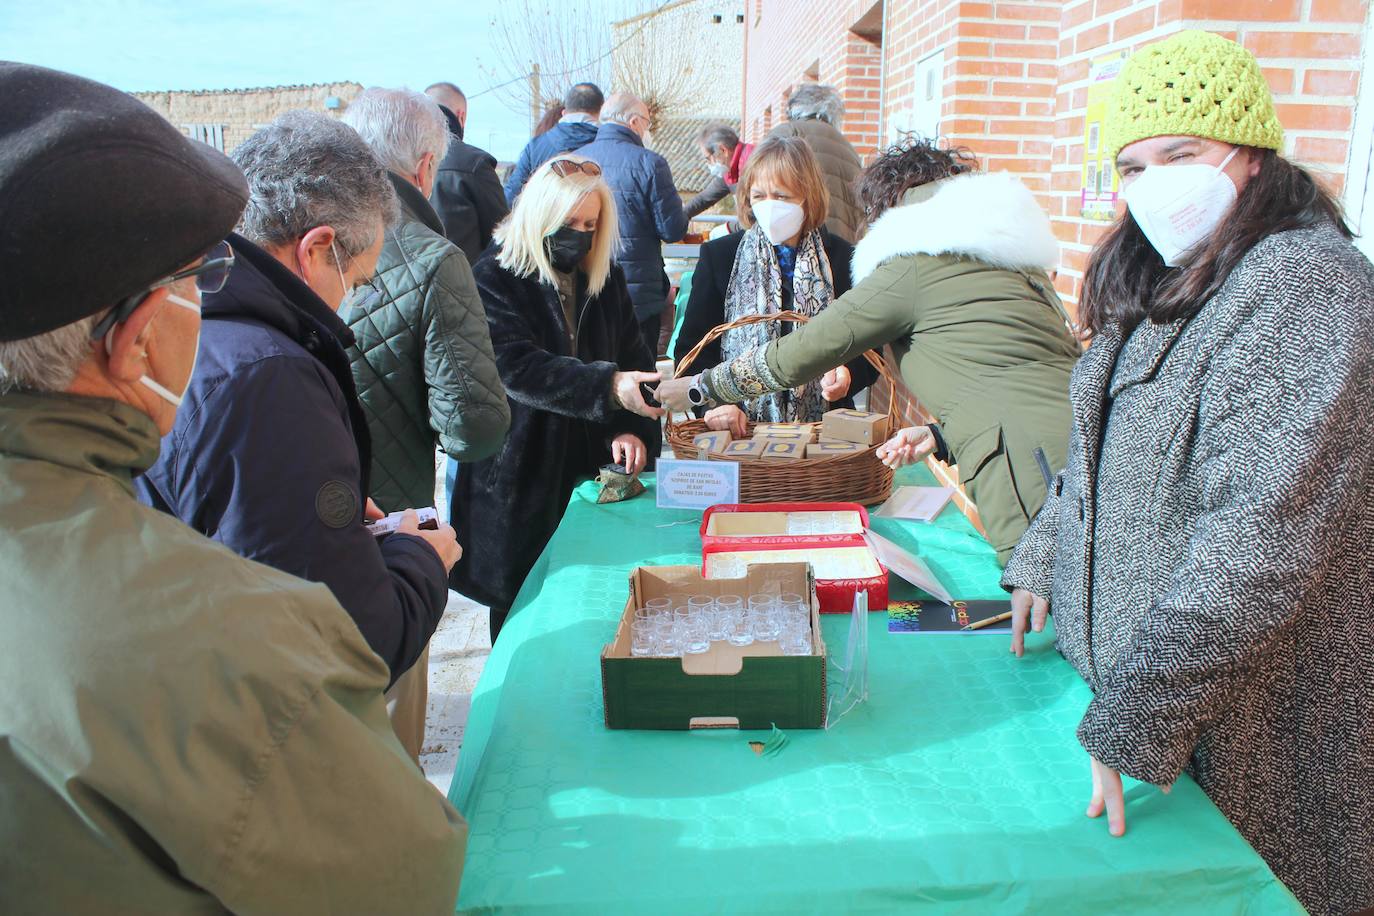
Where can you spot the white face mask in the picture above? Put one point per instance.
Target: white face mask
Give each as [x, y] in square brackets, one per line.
[1178, 206]
[717, 169]
[779, 219]
[147, 381]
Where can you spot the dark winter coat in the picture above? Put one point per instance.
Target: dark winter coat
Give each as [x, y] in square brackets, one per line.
[422, 359]
[706, 305]
[649, 208]
[506, 508]
[269, 456]
[1207, 555]
[840, 165]
[467, 195]
[565, 137]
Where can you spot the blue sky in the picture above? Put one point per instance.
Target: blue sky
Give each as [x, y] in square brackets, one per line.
[191, 44]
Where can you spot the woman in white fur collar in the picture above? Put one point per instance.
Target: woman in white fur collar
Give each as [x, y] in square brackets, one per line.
[953, 275]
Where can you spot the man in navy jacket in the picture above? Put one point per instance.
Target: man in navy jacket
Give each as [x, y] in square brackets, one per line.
[270, 451]
[577, 128]
[647, 202]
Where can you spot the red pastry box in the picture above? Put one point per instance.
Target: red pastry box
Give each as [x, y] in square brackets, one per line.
[829, 536]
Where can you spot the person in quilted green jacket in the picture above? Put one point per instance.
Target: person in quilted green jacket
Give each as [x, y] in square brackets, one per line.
[423, 361]
[422, 357]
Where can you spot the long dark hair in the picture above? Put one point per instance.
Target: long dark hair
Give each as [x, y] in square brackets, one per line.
[1127, 282]
[910, 162]
[549, 120]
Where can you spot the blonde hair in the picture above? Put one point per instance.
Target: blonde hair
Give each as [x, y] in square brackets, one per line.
[788, 161]
[541, 209]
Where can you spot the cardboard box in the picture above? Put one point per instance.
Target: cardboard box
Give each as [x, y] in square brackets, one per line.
[850, 425]
[828, 448]
[749, 687]
[782, 449]
[783, 435]
[806, 432]
[745, 449]
[712, 443]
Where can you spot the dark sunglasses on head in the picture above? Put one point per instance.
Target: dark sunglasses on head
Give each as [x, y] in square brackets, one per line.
[211, 274]
[565, 167]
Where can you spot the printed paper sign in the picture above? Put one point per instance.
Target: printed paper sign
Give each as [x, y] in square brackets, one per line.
[696, 484]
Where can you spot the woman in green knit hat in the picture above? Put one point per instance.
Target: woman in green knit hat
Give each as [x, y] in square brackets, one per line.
[1207, 549]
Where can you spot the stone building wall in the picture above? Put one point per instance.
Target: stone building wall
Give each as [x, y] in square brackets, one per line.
[225, 118]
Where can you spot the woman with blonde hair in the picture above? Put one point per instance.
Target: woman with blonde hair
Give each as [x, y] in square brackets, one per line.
[784, 260]
[572, 360]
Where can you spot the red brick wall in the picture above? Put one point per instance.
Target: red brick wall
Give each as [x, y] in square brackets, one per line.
[789, 42]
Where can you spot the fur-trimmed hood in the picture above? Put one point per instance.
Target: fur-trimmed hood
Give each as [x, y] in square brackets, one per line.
[988, 217]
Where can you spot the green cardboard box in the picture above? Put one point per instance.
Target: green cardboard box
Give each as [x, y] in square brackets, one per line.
[751, 687]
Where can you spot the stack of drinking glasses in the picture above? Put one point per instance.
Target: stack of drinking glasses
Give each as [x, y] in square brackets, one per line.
[687, 624]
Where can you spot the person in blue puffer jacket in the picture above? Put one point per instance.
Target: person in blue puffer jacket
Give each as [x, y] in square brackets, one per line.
[574, 130]
[647, 202]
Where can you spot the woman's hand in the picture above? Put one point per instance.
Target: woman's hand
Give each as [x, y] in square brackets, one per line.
[672, 394]
[729, 418]
[625, 390]
[1109, 796]
[907, 447]
[1030, 609]
[835, 383]
[628, 449]
[370, 511]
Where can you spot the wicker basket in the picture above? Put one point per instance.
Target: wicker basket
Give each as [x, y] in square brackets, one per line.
[856, 478]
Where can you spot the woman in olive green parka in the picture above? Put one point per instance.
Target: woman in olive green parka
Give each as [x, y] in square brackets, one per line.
[953, 276]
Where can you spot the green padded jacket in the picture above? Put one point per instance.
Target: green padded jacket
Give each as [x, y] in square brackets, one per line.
[955, 280]
[423, 361]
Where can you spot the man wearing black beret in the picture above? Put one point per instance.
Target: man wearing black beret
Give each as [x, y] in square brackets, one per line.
[181, 729]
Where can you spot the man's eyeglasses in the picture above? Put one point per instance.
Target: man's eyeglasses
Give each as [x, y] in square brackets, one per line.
[211, 274]
[565, 167]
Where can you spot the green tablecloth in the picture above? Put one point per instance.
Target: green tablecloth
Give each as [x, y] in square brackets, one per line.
[958, 787]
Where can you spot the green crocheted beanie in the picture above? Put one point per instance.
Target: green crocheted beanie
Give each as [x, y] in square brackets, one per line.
[1193, 84]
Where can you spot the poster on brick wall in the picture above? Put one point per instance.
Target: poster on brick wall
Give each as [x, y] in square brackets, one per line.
[1099, 182]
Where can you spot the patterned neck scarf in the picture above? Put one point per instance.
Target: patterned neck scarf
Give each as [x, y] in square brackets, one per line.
[756, 285]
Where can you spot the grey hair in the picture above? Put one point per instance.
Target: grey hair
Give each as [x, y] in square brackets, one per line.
[718, 136]
[46, 362]
[812, 101]
[401, 126]
[306, 170]
[620, 107]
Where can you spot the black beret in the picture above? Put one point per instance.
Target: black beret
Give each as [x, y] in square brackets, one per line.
[99, 198]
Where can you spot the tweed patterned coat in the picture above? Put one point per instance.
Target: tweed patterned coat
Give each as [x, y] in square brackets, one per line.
[1209, 555]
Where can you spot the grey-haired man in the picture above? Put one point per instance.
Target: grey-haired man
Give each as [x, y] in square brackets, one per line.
[271, 454]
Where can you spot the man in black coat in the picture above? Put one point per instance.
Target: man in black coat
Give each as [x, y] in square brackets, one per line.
[467, 194]
[270, 451]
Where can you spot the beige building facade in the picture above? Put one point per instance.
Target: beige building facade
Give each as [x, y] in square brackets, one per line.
[224, 118]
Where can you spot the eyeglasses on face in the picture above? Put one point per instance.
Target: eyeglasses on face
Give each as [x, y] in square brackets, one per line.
[565, 167]
[211, 274]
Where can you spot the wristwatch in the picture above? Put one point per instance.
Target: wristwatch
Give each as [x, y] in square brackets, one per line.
[696, 394]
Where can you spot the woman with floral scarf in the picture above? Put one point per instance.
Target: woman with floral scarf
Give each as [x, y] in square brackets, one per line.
[783, 261]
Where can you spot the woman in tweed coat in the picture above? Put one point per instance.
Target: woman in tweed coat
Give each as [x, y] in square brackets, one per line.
[1207, 549]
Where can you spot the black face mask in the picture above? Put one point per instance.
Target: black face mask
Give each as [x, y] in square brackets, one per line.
[567, 247]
